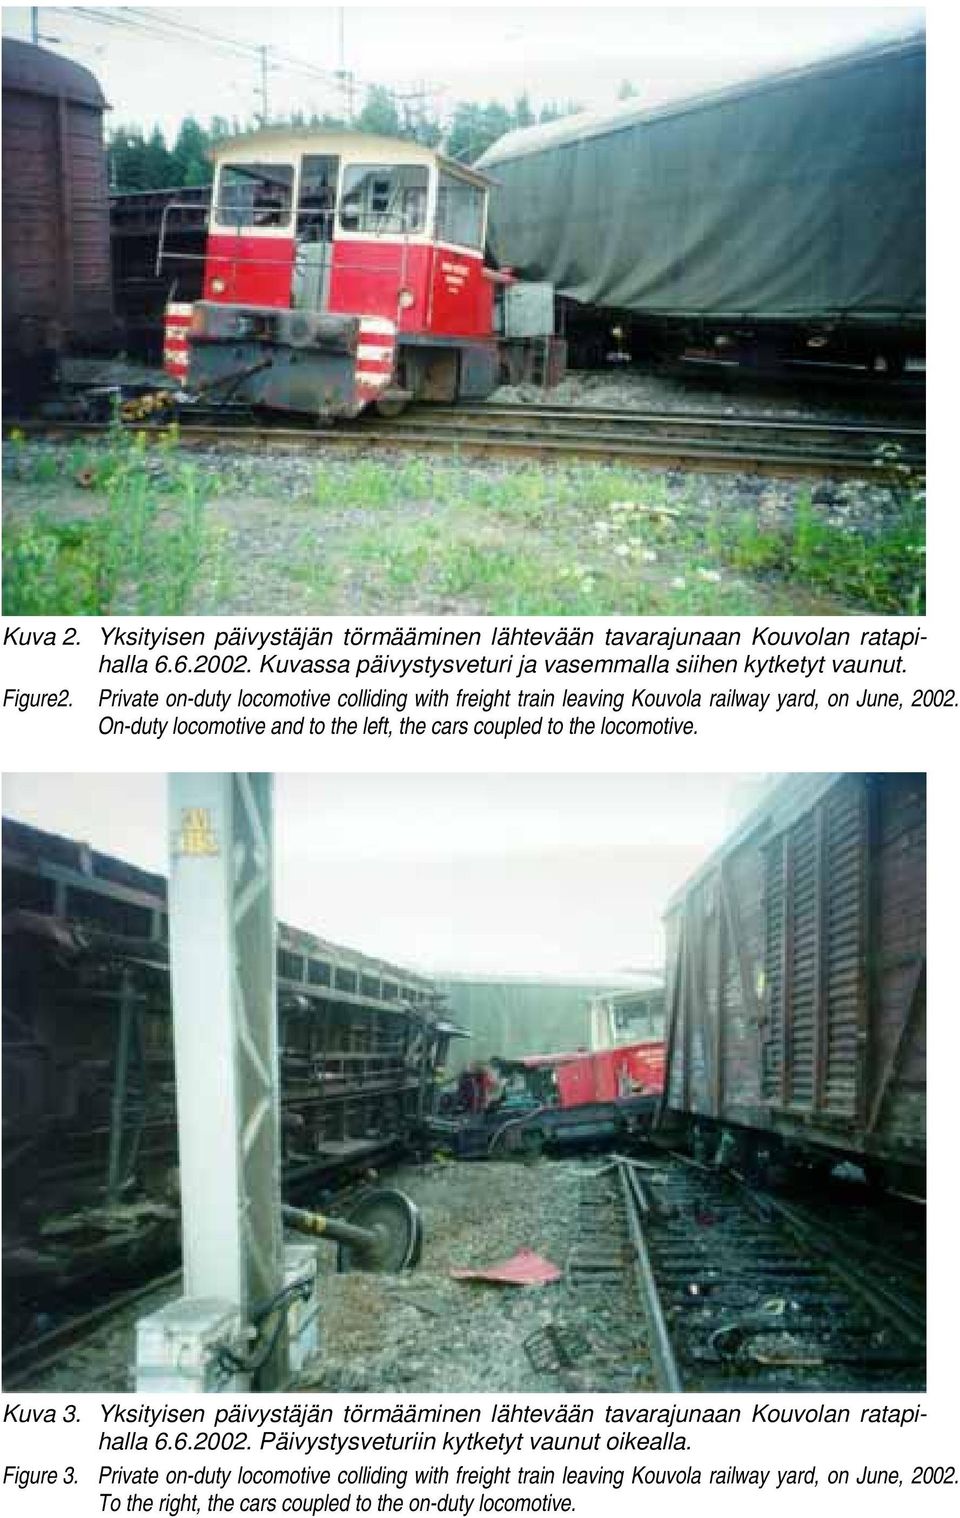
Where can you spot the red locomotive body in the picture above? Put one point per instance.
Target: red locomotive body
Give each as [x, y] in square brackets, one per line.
[564, 1100]
[343, 269]
[611, 1075]
[242, 270]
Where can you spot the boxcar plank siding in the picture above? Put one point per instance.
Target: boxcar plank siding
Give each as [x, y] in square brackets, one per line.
[57, 290]
[900, 1019]
[799, 1092]
[90, 223]
[843, 820]
[818, 903]
[774, 980]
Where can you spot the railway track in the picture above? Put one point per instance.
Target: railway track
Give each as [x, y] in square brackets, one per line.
[35, 1356]
[665, 440]
[731, 1289]
[91, 1310]
[686, 435]
[678, 1278]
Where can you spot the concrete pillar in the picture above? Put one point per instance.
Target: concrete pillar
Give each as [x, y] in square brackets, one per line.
[223, 987]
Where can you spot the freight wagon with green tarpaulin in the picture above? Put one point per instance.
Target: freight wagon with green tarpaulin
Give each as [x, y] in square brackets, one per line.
[781, 218]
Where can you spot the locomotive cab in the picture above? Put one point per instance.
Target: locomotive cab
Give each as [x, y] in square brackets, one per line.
[340, 270]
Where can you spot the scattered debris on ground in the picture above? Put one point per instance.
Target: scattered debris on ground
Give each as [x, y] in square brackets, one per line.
[427, 1331]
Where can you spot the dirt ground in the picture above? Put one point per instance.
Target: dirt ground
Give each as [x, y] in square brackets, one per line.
[425, 1331]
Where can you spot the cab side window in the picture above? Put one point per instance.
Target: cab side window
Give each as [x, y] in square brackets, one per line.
[460, 211]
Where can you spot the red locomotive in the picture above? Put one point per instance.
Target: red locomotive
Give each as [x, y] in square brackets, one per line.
[343, 270]
[555, 1101]
[608, 1075]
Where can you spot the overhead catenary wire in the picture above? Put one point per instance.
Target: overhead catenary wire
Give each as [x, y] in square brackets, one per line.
[177, 32]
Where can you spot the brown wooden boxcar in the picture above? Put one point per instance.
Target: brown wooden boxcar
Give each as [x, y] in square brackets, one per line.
[796, 989]
[56, 215]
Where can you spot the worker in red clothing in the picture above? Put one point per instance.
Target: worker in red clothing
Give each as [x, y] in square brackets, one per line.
[487, 1084]
[477, 1088]
[468, 1094]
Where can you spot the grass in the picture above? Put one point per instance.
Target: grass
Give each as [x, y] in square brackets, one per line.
[595, 540]
[146, 552]
[419, 534]
[885, 571]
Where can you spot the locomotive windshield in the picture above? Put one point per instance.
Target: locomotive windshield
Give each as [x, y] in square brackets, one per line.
[380, 198]
[255, 195]
[460, 208]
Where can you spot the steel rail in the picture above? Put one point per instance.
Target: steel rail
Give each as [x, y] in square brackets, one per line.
[875, 1256]
[36, 1355]
[909, 1321]
[592, 417]
[664, 1361]
[694, 454]
[789, 1234]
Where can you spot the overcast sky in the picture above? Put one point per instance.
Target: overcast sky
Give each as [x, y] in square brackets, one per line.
[153, 73]
[518, 874]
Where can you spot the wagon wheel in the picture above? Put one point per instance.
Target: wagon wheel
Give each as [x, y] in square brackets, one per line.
[516, 1140]
[398, 1226]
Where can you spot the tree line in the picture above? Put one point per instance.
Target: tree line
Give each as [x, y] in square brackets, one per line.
[146, 162]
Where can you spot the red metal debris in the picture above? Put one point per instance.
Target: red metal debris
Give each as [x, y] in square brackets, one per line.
[525, 1268]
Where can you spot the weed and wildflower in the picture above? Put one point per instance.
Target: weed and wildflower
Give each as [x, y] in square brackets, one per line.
[145, 552]
[884, 569]
[413, 534]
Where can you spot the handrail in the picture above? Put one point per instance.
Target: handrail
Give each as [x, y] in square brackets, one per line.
[176, 205]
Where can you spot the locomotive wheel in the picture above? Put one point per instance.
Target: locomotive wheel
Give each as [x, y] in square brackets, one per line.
[398, 1226]
[390, 406]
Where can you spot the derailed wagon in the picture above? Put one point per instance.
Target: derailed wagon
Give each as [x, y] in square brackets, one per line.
[796, 982]
[90, 1123]
[780, 218]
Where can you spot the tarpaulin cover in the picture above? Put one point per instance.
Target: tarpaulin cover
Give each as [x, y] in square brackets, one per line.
[525, 1268]
[798, 196]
